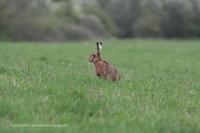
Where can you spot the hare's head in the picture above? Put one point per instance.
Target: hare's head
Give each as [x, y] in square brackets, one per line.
[94, 58]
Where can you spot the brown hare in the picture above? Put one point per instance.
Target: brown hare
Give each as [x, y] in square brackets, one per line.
[102, 68]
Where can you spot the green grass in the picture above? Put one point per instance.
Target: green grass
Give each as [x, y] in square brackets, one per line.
[54, 84]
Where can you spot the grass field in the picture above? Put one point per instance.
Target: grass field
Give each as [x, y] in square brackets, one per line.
[53, 84]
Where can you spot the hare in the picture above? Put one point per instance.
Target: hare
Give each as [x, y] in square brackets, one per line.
[102, 68]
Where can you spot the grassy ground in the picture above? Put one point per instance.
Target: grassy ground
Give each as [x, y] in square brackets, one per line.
[54, 84]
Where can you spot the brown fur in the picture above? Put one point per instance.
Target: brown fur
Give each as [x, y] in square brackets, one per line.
[103, 69]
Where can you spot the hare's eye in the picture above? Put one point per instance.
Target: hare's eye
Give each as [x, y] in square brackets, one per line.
[94, 55]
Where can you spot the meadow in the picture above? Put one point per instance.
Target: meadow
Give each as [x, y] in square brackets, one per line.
[53, 83]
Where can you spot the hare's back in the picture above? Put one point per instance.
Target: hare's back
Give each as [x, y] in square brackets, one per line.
[110, 68]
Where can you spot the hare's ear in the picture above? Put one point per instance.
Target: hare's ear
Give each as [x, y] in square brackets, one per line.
[98, 50]
[99, 47]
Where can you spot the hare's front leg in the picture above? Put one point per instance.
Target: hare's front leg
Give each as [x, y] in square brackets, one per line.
[102, 75]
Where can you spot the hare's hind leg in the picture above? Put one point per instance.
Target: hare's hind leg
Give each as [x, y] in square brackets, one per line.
[115, 78]
[104, 76]
[119, 77]
[112, 78]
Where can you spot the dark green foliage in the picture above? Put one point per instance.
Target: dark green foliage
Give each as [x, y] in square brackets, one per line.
[63, 20]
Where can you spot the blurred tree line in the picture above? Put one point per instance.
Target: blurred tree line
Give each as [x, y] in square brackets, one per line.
[62, 20]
